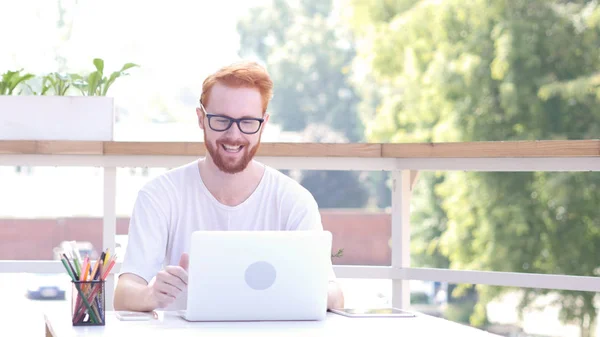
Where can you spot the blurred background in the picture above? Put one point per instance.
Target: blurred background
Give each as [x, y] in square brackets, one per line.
[344, 71]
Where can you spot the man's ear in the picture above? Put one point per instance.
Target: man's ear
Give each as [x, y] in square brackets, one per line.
[200, 115]
[266, 117]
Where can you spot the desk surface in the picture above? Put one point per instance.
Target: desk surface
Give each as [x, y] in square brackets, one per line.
[58, 324]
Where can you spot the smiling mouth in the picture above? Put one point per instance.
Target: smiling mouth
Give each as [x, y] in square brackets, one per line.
[231, 148]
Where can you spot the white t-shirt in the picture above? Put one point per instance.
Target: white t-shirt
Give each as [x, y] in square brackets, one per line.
[173, 205]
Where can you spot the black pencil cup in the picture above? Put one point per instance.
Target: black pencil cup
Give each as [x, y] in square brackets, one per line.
[87, 302]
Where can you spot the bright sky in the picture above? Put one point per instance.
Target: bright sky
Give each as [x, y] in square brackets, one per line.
[177, 43]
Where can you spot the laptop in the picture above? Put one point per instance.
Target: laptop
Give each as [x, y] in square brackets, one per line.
[258, 275]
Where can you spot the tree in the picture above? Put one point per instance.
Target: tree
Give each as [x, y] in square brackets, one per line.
[333, 189]
[308, 55]
[486, 70]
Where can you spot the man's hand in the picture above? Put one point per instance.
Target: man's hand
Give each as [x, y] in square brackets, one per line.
[335, 295]
[169, 283]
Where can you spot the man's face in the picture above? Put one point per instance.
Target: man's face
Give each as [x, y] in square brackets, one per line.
[231, 150]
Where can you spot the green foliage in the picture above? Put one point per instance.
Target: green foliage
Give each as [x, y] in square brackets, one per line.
[332, 188]
[493, 70]
[309, 55]
[11, 80]
[581, 89]
[419, 298]
[339, 253]
[96, 84]
[61, 84]
[56, 83]
[461, 312]
[430, 221]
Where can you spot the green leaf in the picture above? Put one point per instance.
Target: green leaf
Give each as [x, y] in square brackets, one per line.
[115, 75]
[128, 66]
[75, 77]
[99, 63]
[16, 79]
[64, 90]
[92, 82]
[110, 81]
[44, 90]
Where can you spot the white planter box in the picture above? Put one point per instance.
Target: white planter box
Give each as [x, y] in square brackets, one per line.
[57, 118]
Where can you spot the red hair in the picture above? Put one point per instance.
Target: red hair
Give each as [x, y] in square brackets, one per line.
[245, 74]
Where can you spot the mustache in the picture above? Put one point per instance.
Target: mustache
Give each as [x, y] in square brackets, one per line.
[233, 142]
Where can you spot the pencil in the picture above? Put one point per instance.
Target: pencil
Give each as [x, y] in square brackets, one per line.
[95, 271]
[106, 256]
[87, 304]
[112, 263]
[75, 274]
[84, 269]
[64, 262]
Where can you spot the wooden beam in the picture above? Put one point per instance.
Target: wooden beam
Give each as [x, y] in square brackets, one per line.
[539, 149]
[550, 148]
[154, 148]
[363, 150]
[67, 147]
[17, 147]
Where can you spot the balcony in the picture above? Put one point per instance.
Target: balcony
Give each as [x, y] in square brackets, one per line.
[403, 161]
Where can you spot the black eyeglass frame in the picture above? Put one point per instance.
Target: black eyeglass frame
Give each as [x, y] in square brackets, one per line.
[231, 121]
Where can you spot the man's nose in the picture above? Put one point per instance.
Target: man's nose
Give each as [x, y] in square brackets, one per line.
[234, 131]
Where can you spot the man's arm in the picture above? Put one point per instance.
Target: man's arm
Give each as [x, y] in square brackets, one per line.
[147, 240]
[133, 294]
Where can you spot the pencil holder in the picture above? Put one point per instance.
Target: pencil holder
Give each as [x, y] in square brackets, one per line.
[87, 302]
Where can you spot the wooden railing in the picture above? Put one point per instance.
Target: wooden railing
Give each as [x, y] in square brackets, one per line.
[403, 160]
[517, 149]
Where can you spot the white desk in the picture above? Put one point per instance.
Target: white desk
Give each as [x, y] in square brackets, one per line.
[58, 324]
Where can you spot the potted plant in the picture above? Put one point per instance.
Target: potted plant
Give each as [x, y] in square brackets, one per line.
[58, 106]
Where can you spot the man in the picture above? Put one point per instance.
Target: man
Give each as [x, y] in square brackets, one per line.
[227, 190]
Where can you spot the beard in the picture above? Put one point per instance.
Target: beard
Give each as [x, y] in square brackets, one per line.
[229, 165]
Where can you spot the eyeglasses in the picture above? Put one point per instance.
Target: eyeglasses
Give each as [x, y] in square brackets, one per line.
[220, 123]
